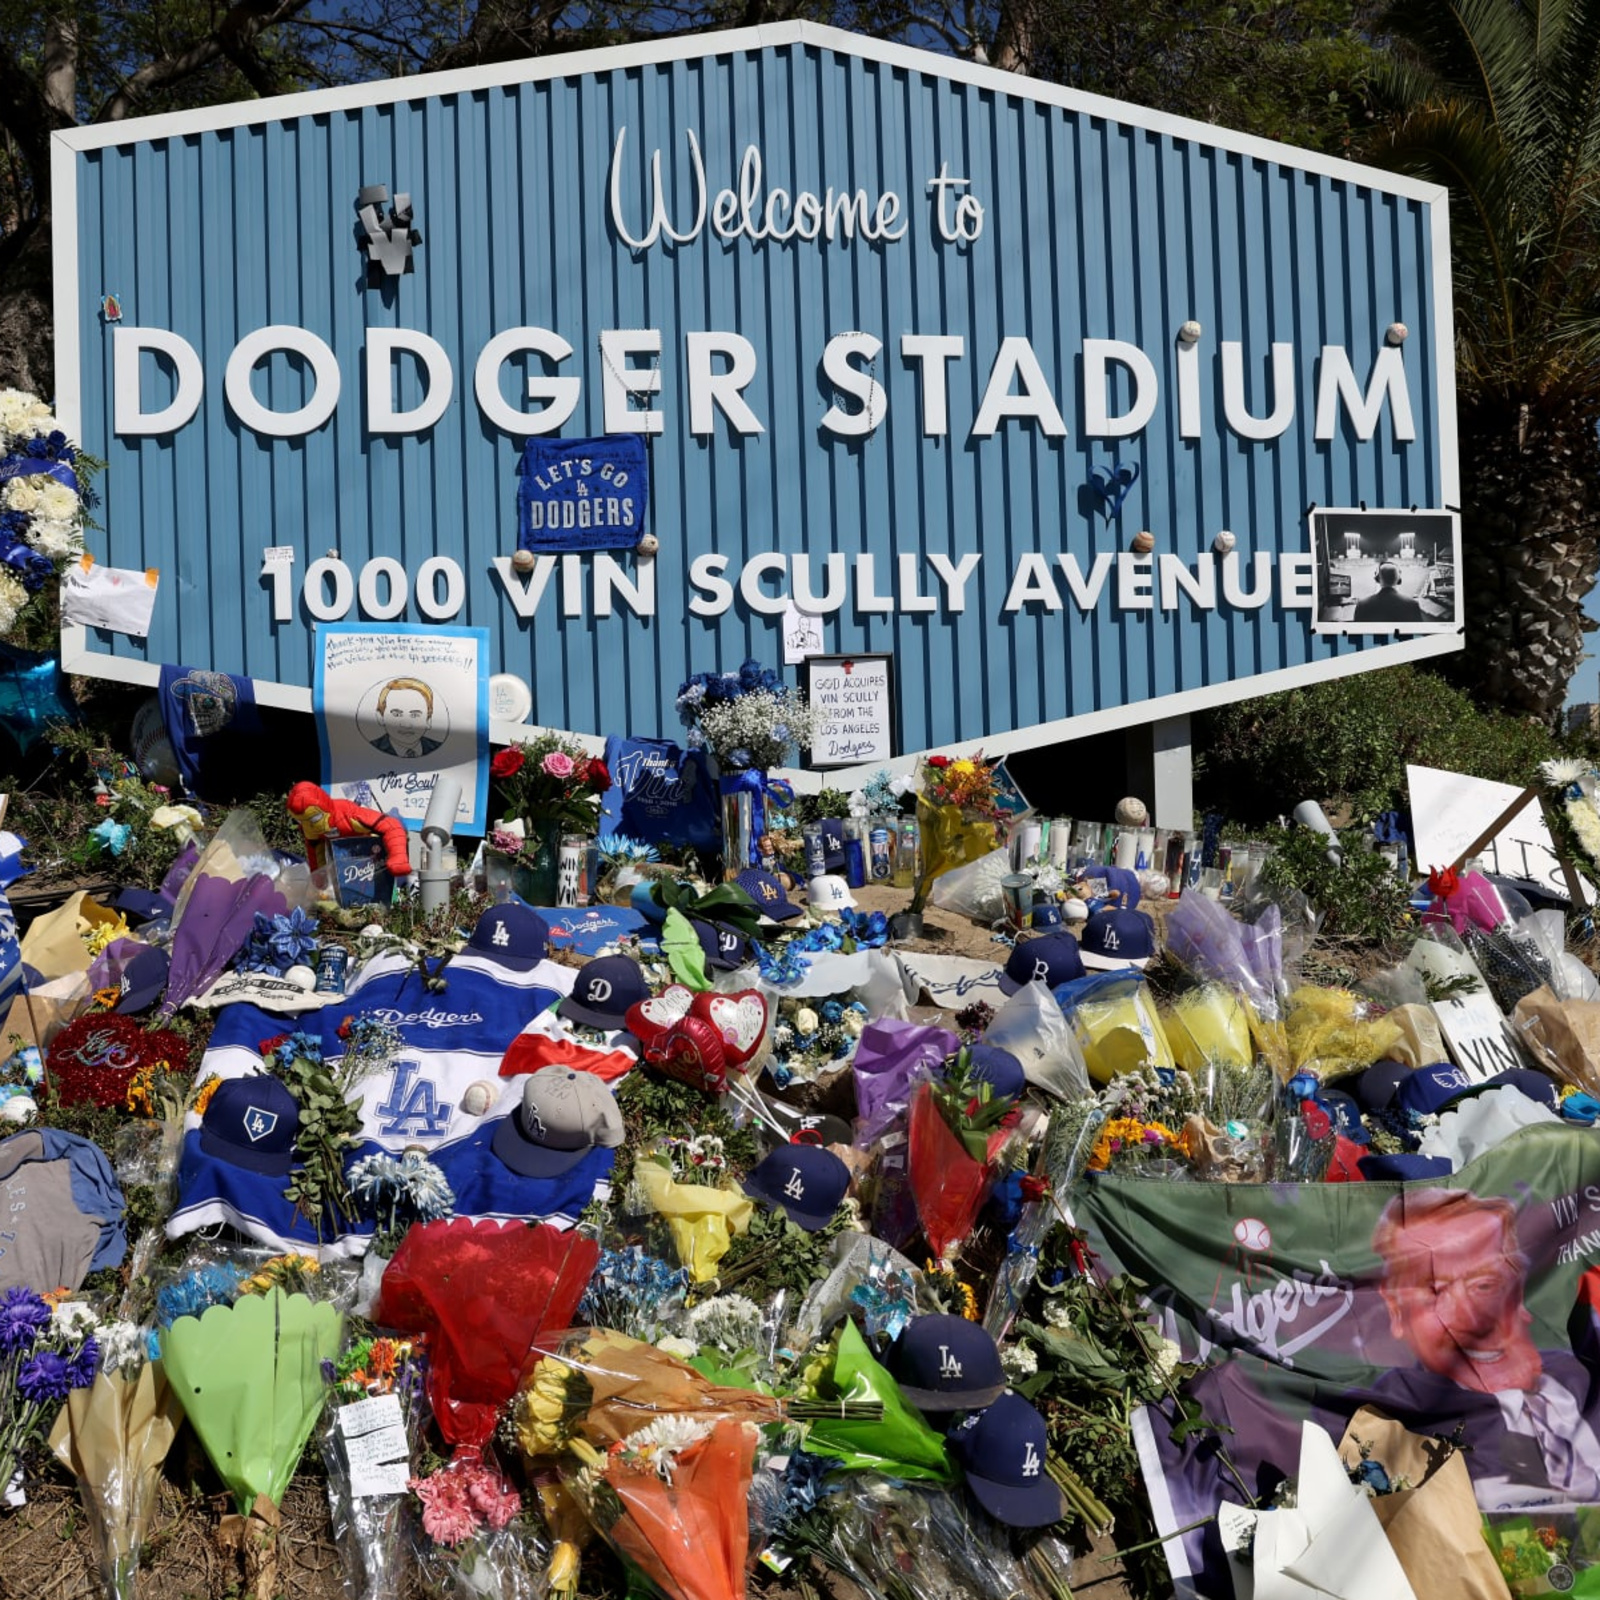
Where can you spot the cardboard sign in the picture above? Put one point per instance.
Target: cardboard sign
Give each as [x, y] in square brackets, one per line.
[854, 699]
[1449, 810]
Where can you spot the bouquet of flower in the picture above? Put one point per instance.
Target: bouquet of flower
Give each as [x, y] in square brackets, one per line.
[41, 503]
[811, 1037]
[113, 1436]
[42, 1360]
[400, 1190]
[634, 1293]
[958, 812]
[549, 782]
[749, 719]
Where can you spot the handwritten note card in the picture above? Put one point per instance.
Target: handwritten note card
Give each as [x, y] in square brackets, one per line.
[855, 699]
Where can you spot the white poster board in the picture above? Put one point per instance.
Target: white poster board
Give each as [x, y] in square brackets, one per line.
[1478, 1038]
[854, 699]
[399, 707]
[1449, 810]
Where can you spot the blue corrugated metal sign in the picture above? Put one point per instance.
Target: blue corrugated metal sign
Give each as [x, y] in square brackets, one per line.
[928, 349]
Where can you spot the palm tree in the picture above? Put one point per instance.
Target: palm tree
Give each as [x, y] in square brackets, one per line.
[1499, 102]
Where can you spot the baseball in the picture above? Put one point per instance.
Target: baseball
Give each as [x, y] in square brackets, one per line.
[19, 1108]
[1223, 543]
[1252, 1234]
[1073, 911]
[478, 1098]
[1143, 542]
[648, 544]
[1132, 812]
[523, 560]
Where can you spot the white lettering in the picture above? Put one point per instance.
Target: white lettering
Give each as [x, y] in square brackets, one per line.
[1338, 382]
[128, 413]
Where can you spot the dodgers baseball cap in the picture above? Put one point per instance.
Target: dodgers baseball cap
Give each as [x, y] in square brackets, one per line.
[1531, 1083]
[999, 1069]
[251, 1122]
[833, 843]
[1122, 882]
[1380, 1083]
[564, 1115]
[1116, 940]
[144, 980]
[1431, 1089]
[769, 896]
[606, 987]
[1003, 1450]
[514, 935]
[945, 1363]
[807, 1181]
[725, 949]
[1404, 1168]
[1053, 960]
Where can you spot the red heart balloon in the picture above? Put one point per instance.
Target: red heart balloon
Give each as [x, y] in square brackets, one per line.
[740, 1020]
[648, 1020]
[691, 1051]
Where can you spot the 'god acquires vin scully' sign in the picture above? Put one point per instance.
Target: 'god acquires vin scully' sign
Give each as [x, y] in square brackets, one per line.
[915, 345]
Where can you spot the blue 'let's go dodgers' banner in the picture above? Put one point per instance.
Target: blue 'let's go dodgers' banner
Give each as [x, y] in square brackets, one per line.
[583, 494]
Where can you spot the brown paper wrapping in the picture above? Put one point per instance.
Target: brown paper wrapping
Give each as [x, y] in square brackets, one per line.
[1421, 1044]
[1434, 1527]
[1564, 1036]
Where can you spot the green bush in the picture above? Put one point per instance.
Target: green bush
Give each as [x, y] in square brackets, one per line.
[1347, 743]
[1361, 899]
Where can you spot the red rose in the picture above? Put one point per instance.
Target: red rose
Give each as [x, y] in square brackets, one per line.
[508, 762]
[938, 761]
[267, 1046]
[599, 776]
[1035, 1187]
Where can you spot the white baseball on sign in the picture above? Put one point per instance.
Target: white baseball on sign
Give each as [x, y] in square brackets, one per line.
[1252, 1233]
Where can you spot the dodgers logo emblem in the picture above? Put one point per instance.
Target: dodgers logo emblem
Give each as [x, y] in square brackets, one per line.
[599, 992]
[258, 1123]
[1030, 1461]
[412, 1108]
[794, 1188]
[949, 1367]
[502, 936]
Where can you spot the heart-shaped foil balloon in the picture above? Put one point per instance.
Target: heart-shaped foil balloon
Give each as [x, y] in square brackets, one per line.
[740, 1019]
[648, 1019]
[691, 1051]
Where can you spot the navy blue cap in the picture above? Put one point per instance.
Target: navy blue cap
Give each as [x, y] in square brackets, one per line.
[142, 905]
[1404, 1168]
[1003, 1452]
[144, 980]
[1115, 940]
[1054, 959]
[725, 949]
[833, 842]
[1431, 1089]
[999, 1069]
[1533, 1084]
[806, 1180]
[606, 987]
[945, 1363]
[810, 1127]
[1122, 882]
[515, 935]
[768, 895]
[251, 1122]
[1345, 1113]
[1377, 1086]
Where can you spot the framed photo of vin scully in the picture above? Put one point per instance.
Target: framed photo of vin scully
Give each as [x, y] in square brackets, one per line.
[1386, 571]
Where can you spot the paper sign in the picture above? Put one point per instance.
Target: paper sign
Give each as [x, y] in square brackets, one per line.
[118, 599]
[278, 555]
[1449, 810]
[375, 1446]
[1479, 1041]
[802, 635]
[398, 709]
[855, 704]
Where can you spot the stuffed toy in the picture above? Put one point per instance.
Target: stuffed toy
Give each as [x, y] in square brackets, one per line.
[320, 816]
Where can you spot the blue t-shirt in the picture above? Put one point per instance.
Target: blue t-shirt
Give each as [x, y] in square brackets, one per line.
[486, 1187]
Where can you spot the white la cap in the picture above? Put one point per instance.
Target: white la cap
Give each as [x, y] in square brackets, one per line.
[829, 893]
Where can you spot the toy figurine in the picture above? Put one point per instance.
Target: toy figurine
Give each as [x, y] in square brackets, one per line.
[319, 815]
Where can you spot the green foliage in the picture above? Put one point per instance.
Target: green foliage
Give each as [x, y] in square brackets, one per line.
[1346, 743]
[776, 1254]
[1362, 899]
[824, 803]
[654, 1107]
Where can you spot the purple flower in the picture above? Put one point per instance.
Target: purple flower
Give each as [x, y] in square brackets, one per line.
[83, 1366]
[22, 1315]
[44, 1376]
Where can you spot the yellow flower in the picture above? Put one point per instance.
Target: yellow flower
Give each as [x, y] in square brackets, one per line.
[962, 768]
[203, 1095]
[539, 1415]
[563, 1574]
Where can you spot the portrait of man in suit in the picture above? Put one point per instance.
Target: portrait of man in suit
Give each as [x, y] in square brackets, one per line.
[405, 708]
[1453, 1280]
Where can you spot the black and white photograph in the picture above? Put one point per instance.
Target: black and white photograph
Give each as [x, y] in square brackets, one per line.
[1386, 571]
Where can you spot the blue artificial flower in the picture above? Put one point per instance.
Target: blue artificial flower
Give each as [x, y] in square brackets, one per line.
[22, 1315]
[212, 1285]
[832, 1011]
[742, 757]
[33, 569]
[1373, 1475]
[292, 939]
[15, 524]
[113, 836]
[44, 1377]
[83, 1366]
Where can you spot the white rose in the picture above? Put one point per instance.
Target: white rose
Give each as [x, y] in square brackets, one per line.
[854, 1023]
[22, 494]
[57, 501]
[805, 1020]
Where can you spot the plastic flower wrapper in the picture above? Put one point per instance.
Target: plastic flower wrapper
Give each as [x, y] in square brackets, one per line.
[249, 1376]
[482, 1294]
[949, 1187]
[477, 1537]
[703, 1221]
[1332, 1033]
[113, 1436]
[367, 1510]
[899, 1442]
[1208, 1025]
[1205, 937]
[869, 1278]
[634, 1293]
[673, 1500]
[887, 1059]
[1465, 900]
[1117, 1024]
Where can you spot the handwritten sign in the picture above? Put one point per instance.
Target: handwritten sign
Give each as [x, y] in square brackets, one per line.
[400, 706]
[854, 699]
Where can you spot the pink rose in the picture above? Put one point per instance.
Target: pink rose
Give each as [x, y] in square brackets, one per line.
[558, 764]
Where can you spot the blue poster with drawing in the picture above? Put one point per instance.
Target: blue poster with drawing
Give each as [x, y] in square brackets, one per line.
[583, 494]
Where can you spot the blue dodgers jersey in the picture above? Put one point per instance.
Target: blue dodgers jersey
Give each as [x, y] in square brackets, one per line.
[484, 1186]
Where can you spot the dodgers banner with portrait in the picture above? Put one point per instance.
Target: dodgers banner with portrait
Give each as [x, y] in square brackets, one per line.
[1463, 1308]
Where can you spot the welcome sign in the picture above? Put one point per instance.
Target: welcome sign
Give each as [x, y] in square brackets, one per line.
[910, 347]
